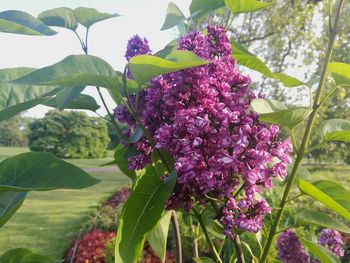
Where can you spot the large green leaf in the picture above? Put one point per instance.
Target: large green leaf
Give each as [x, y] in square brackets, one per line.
[203, 260]
[322, 253]
[61, 17]
[199, 8]
[41, 172]
[247, 59]
[146, 67]
[10, 202]
[245, 6]
[19, 22]
[67, 95]
[310, 217]
[157, 238]
[332, 195]
[73, 71]
[272, 111]
[174, 16]
[89, 16]
[141, 213]
[336, 130]
[82, 102]
[23, 255]
[15, 98]
[122, 163]
[340, 72]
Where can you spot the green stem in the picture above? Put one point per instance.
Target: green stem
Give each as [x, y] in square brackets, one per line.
[210, 242]
[306, 137]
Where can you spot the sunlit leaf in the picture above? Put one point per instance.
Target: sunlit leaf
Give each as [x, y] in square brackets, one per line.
[199, 8]
[245, 6]
[146, 67]
[340, 72]
[322, 253]
[331, 194]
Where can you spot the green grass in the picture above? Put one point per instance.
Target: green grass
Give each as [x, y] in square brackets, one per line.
[48, 221]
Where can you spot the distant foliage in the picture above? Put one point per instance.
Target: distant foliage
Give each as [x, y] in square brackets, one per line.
[13, 132]
[69, 135]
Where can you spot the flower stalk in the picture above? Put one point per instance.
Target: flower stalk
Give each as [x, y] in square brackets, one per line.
[303, 146]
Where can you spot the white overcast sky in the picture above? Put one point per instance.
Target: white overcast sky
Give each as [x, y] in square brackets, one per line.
[107, 39]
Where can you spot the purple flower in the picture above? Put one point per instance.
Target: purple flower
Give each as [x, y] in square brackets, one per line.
[137, 46]
[332, 240]
[201, 117]
[290, 249]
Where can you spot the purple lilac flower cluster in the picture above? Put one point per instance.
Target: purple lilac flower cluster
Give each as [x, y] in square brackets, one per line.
[137, 46]
[201, 116]
[333, 240]
[290, 249]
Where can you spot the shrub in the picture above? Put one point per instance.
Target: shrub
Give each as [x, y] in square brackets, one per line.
[69, 135]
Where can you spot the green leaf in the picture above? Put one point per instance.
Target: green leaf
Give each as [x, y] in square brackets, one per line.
[41, 172]
[89, 16]
[247, 59]
[157, 238]
[60, 17]
[73, 71]
[340, 72]
[82, 102]
[328, 193]
[10, 202]
[136, 135]
[322, 253]
[159, 166]
[309, 217]
[174, 16]
[199, 8]
[203, 260]
[23, 255]
[15, 98]
[335, 130]
[141, 213]
[272, 111]
[146, 67]
[245, 6]
[122, 163]
[66, 96]
[19, 22]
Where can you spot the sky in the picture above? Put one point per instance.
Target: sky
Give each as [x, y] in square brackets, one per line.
[107, 39]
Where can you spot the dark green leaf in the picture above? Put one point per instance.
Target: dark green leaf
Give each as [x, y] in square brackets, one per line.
[42, 172]
[174, 16]
[328, 193]
[89, 16]
[158, 159]
[23, 255]
[340, 72]
[61, 17]
[19, 22]
[322, 253]
[122, 162]
[146, 67]
[15, 98]
[309, 217]
[141, 213]
[10, 202]
[200, 8]
[272, 111]
[82, 102]
[245, 6]
[67, 95]
[336, 130]
[157, 238]
[73, 71]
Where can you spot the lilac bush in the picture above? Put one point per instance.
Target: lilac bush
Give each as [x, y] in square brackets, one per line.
[290, 249]
[333, 240]
[201, 117]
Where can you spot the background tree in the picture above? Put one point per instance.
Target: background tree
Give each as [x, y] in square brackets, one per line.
[14, 131]
[69, 135]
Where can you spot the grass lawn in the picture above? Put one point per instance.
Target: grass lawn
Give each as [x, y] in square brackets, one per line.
[48, 221]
